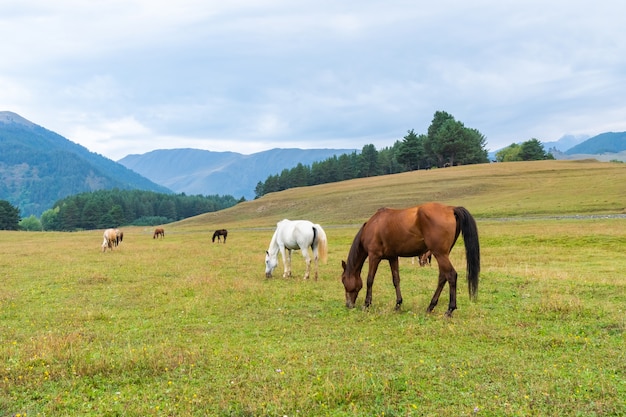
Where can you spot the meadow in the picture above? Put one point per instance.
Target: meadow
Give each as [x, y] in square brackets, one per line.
[181, 326]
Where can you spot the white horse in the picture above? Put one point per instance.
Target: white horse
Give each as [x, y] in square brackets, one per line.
[296, 234]
[110, 239]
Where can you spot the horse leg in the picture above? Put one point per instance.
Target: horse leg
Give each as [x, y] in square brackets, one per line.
[307, 260]
[287, 262]
[394, 264]
[452, 277]
[448, 274]
[373, 266]
[316, 258]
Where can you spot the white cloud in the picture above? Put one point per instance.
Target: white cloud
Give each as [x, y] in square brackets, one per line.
[133, 76]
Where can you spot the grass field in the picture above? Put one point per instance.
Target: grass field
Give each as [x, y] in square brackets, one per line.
[184, 327]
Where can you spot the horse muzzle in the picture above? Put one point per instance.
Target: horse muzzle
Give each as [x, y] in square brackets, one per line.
[350, 303]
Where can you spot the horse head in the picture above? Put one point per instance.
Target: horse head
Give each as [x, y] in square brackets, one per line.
[353, 283]
[271, 262]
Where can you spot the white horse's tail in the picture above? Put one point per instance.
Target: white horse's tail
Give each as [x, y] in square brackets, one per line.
[322, 243]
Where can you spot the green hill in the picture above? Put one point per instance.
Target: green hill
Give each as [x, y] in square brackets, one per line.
[39, 167]
[610, 142]
[522, 189]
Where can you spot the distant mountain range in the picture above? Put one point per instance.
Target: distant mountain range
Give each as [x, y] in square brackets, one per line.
[604, 147]
[39, 167]
[566, 142]
[195, 171]
[610, 142]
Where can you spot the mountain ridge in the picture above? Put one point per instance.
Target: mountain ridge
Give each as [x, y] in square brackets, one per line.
[39, 167]
[197, 171]
[609, 142]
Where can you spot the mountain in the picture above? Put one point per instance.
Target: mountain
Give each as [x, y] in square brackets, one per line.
[39, 167]
[565, 142]
[609, 142]
[195, 171]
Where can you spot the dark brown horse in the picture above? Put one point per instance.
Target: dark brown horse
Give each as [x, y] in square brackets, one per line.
[391, 233]
[218, 233]
[158, 232]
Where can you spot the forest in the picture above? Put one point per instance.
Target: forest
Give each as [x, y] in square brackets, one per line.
[113, 208]
[447, 143]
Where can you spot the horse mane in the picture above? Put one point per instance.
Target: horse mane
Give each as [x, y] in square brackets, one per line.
[273, 247]
[355, 250]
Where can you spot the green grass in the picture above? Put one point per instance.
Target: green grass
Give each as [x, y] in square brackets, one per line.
[181, 326]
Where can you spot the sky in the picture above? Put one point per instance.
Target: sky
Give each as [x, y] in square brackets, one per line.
[130, 76]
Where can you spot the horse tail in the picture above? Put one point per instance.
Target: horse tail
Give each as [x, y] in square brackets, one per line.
[321, 241]
[469, 229]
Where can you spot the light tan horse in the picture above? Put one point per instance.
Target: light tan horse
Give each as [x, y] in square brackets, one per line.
[119, 236]
[110, 239]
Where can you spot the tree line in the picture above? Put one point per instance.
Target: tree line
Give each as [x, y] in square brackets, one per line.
[113, 208]
[447, 143]
[531, 150]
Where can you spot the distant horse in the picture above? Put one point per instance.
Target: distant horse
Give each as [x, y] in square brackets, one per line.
[158, 232]
[297, 234]
[424, 259]
[119, 236]
[110, 237]
[218, 233]
[391, 233]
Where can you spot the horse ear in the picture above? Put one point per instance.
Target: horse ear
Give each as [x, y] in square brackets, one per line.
[343, 265]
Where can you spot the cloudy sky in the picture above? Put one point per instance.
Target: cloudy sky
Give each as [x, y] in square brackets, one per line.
[131, 76]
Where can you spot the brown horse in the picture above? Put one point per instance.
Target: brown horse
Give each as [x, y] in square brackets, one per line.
[391, 233]
[158, 232]
[218, 233]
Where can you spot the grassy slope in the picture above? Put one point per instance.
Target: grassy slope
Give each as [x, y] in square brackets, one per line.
[488, 191]
[180, 326]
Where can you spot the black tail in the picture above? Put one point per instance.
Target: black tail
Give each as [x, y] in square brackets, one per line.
[472, 248]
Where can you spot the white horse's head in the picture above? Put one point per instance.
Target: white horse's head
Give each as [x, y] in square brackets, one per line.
[271, 262]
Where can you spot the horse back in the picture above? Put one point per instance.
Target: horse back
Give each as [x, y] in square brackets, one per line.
[410, 231]
[439, 226]
[294, 234]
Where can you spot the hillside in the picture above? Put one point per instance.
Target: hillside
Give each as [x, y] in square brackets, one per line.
[522, 189]
[610, 142]
[39, 167]
[195, 171]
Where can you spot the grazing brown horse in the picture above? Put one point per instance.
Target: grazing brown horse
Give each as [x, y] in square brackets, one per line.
[158, 232]
[391, 233]
[110, 237]
[218, 233]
